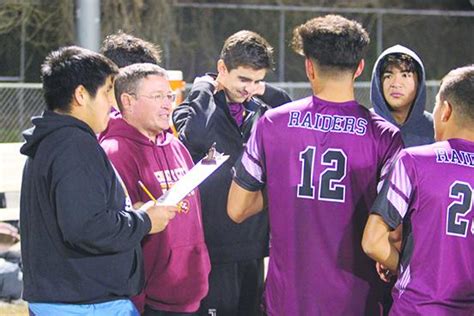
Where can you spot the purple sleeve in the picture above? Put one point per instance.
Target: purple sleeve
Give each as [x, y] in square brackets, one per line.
[249, 171]
[397, 193]
[390, 146]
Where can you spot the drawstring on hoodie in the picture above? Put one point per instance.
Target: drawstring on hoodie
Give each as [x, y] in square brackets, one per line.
[158, 159]
[173, 178]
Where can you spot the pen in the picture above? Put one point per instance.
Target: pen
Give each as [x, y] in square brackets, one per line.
[146, 190]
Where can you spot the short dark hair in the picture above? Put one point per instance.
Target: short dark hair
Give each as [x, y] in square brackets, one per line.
[129, 78]
[402, 61]
[248, 49]
[65, 69]
[125, 49]
[332, 41]
[457, 87]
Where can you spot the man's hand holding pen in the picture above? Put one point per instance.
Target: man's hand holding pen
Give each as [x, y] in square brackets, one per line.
[159, 214]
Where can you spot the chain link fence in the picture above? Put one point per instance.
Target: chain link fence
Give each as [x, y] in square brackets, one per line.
[18, 103]
[21, 101]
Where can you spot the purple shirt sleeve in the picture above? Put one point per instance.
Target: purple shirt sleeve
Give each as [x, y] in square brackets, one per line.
[397, 192]
[249, 170]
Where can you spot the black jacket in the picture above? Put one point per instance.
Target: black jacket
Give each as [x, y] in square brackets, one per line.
[205, 118]
[79, 243]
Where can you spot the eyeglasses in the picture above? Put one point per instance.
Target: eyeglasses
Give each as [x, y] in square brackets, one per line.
[158, 97]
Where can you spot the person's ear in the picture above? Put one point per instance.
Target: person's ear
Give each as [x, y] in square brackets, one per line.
[310, 71]
[80, 95]
[221, 67]
[126, 100]
[360, 68]
[446, 111]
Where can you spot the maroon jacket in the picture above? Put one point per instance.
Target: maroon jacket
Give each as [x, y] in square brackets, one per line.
[176, 260]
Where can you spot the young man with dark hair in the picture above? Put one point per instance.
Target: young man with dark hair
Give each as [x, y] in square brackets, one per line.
[398, 94]
[429, 191]
[223, 108]
[80, 238]
[125, 49]
[319, 161]
[176, 260]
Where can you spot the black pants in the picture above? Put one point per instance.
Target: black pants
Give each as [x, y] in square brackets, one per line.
[387, 299]
[235, 289]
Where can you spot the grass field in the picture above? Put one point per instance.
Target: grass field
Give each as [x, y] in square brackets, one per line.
[16, 308]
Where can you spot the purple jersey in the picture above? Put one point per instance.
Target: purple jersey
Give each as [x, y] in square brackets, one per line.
[430, 191]
[320, 162]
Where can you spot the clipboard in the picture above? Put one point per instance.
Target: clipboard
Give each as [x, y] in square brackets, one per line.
[202, 170]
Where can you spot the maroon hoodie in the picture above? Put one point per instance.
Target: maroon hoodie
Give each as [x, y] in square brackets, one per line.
[176, 260]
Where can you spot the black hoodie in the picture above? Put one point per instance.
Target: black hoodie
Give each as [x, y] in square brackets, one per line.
[202, 119]
[79, 240]
[418, 127]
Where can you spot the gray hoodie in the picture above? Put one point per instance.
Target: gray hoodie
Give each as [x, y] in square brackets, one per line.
[418, 127]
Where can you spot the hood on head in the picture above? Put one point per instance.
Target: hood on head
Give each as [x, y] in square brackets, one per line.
[376, 90]
[46, 124]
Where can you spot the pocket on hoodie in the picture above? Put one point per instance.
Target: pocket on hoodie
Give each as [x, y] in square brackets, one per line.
[184, 280]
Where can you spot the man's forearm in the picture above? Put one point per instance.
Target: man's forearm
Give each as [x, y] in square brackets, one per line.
[242, 204]
[377, 244]
[390, 261]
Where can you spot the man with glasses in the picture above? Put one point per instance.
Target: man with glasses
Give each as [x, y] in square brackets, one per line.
[141, 148]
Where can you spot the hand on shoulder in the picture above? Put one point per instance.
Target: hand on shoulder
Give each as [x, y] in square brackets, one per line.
[214, 81]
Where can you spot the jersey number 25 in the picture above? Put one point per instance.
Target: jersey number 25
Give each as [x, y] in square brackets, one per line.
[456, 223]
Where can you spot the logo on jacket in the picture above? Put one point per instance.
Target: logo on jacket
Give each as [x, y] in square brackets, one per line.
[183, 207]
[167, 178]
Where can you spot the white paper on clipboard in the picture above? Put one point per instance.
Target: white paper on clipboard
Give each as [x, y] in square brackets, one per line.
[191, 180]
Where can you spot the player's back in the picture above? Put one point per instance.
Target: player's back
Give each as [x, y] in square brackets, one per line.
[323, 161]
[437, 261]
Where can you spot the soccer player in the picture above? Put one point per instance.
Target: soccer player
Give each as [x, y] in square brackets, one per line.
[319, 160]
[429, 191]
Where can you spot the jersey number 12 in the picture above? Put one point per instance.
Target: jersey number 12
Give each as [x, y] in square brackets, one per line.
[330, 187]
